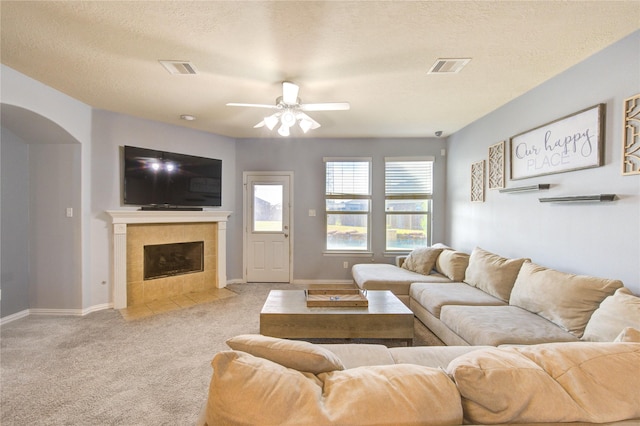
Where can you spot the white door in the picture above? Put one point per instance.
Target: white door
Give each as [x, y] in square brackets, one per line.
[267, 227]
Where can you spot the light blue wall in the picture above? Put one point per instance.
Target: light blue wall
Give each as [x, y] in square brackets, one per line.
[595, 239]
[304, 157]
[111, 131]
[14, 225]
[602, 239]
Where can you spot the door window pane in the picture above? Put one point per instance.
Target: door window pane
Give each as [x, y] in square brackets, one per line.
[267, 207]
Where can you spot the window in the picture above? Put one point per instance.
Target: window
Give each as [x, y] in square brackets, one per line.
[348, 203]
[408, 191]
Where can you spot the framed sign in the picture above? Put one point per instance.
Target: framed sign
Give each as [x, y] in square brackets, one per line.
[570, 143]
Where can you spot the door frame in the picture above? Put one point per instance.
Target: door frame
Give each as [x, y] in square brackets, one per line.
[246, 220]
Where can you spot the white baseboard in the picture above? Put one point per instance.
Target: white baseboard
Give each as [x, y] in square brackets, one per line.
[13, 317]
[96, 308]
[55, 312]
[305, 282]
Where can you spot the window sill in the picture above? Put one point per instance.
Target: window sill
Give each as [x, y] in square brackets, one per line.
[348, 253]
[395, 253]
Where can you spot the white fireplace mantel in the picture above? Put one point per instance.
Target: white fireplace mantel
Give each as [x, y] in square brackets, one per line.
[121, 218]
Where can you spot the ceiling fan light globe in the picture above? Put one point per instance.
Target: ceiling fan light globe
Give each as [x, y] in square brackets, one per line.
[305, 125]
[271, 121]
[284, 130]
[288, 119]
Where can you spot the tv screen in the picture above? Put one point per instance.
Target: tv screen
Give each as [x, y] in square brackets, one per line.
[167, 179]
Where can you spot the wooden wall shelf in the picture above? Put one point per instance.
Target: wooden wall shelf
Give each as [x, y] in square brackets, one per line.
[599, 198]
[538, 187]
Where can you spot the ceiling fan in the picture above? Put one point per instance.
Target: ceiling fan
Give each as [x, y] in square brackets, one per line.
[290, 110]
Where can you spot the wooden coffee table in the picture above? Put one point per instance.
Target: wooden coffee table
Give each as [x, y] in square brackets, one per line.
[285, 314]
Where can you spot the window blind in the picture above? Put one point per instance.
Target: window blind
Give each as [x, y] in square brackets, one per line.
[348, 179]
[408, 178]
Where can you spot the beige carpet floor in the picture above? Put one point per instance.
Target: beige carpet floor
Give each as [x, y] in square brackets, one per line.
[101, 369]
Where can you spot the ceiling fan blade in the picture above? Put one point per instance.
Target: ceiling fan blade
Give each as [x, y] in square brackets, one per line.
[251, 105]
[327, 106]
[290, 93]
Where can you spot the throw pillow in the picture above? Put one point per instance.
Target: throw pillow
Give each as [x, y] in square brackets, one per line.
[422, 260]
[452, 264]
[612, 316]
[295, 354]
[566, 300]
[557, 382]
[491, 273]
[628, 335]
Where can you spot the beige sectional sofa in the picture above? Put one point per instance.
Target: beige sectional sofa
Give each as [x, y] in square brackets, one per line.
[486, 299]
[269, 381]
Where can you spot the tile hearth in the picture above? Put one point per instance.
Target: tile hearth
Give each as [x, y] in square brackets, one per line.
[174, 303]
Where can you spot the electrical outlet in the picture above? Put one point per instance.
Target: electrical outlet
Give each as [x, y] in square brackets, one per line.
[345, 265]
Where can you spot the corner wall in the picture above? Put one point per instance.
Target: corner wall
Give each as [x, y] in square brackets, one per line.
[601, 239]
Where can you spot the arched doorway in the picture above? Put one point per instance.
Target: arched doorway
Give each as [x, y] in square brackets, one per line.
[40, 204]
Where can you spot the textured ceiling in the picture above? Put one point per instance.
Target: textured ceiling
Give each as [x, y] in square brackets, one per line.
[374, 55]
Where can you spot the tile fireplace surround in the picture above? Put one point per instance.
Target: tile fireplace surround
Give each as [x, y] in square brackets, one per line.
[122, 219]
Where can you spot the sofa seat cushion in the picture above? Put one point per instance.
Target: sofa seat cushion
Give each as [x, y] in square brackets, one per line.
[560, 382]
[567, 300]
[433, 297]
[248, 390]
[430, 356]
[383, 276]
[501, 325]
[354, 355]
[614, 314]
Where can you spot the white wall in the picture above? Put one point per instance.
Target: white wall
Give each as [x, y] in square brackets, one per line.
[600, 239]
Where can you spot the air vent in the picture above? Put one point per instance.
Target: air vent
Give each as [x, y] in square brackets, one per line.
[448, 66]
[179, 67]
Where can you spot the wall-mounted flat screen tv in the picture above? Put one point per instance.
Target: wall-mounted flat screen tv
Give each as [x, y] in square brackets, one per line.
[165, 179]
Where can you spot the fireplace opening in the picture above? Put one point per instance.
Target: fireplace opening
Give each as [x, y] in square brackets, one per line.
[167, 260]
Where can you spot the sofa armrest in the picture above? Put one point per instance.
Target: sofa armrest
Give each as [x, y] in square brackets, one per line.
[400, 260]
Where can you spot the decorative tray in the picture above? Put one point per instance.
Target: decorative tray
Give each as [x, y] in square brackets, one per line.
[336, 297]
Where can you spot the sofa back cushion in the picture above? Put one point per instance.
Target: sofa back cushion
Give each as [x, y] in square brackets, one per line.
[453, 264]
[556, 382]
[249, 390]
[296, 354]
[612, 316]
[567, 300]
[491, 273]
[422, 260]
